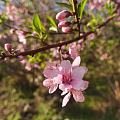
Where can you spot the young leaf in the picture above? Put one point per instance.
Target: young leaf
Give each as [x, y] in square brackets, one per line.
[65, 5]
[53, 29]
[81, 7]
[51, 21]
[38, 25]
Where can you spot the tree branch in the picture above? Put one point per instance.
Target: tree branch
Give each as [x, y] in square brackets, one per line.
[33, 52]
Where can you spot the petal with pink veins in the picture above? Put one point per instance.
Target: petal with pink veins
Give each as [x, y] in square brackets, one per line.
[66, 99]
[65, 67]
[84, 86]
[47, 83]
[57, 79]
[50, 71]
[53, 88]
[78, 73]
[65, 87]
[78, 96]
[79, 84]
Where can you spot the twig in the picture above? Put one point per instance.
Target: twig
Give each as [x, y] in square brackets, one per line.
[76, 15]
[33, 52]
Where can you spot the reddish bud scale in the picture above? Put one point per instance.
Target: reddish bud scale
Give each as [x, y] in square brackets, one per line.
[64, 24]
[63, 14]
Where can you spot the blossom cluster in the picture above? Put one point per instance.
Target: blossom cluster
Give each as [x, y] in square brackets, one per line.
[68, 78]
[64, 24]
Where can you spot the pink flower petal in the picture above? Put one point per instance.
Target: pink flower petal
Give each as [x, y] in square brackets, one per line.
[78, 73]
[76, 62]
[78, 96]
[66, 99]
[57, 79]
[65, 67]
[84, 86]
[73, 50]
[50, 71]
[47, 83]
[79, 84]
[65, 87]
[53, 88]
[63, 93]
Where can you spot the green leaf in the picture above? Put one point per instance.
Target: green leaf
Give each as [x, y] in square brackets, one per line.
[81, 8]
[110, 8]
[38, 25]
[65, 5]
[51, 21]
[53, 29]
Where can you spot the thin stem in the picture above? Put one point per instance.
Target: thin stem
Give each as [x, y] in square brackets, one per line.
[75, 8]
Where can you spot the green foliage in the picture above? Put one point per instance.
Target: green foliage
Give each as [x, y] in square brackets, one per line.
[38, 25]
[65, 5]
[81, 7]
[39, 28]
[22, 95]
[52, 23]
[14, 117]
[110, 7]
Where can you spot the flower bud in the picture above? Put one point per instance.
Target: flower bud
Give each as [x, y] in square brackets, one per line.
[63, 24]
[66, 29]
[63, 14]
[8, 47]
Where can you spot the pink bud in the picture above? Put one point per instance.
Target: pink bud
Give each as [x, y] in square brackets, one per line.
[63, 24]
[8, 47]
[66, 29]
[63, 14]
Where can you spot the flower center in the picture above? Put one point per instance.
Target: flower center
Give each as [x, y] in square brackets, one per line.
[66, 79]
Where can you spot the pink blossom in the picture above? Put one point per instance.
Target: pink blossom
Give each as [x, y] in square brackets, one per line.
[98, 4]
[52, 74]
[28, 66]
[69, 78]
[21, 36]
[72, 80]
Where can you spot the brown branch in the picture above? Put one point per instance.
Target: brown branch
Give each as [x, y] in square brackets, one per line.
[33, 52]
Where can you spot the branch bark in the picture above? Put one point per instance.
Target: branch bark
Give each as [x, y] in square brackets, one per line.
[48, 47]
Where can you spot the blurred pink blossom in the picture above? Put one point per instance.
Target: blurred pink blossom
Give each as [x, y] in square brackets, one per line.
[21, 36]
[28, 66]
[73, 51]
[104, 56]
[12, 12]
[98, 4]
[8, 47]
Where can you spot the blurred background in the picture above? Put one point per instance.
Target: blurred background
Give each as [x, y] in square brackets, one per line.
[22, 95]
